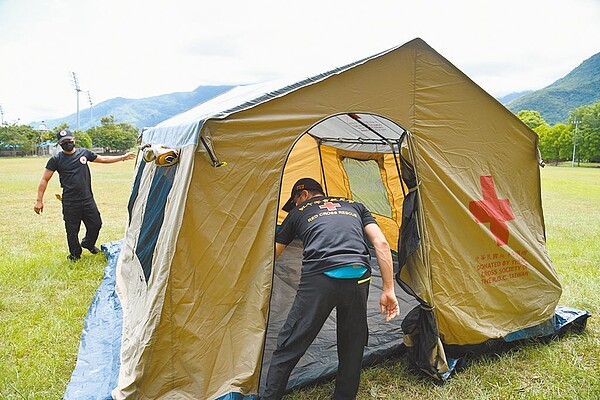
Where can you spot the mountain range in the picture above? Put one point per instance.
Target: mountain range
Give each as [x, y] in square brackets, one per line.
[579, 87]
[141, 113]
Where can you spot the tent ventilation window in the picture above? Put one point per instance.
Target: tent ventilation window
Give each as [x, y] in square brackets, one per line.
[367, 186]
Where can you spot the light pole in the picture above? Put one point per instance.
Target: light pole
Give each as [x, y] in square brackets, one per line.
[77, 89]
[576, 122]
[42, 129]
[1, 116]
[91, 109]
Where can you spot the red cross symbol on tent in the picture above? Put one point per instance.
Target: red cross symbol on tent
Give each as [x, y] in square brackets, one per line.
[492, 210]
[330, 206]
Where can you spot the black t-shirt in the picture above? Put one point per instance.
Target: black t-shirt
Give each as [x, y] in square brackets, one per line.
[74, 173]
[332, 233]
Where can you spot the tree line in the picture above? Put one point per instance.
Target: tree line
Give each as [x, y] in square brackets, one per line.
[111, 136]
[575, 140]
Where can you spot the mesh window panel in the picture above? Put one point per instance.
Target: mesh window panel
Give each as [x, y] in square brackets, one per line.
[366, 185]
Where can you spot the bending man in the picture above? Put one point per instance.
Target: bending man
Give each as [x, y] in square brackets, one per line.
[335, 274]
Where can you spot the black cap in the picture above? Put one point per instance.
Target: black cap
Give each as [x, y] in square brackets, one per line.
[300, 185]
[64, 135]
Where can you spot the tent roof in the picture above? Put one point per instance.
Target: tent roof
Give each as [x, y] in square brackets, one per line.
[182, 129]
[359, 132]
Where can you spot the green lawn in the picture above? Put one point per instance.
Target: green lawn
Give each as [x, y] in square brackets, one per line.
[43, 298]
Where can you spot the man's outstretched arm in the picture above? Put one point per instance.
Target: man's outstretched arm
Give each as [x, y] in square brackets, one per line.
[113, 159]
[39, 204]
[388, 301]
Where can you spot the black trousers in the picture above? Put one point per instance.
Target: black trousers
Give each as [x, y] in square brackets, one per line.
[317, 296]
[76, 212]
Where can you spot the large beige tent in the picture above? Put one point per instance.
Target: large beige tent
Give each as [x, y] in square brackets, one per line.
[451, 175]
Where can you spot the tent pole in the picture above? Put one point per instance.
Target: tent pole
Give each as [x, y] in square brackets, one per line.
[213, 158]
[322, 169]
[399, 143]
[357, 119]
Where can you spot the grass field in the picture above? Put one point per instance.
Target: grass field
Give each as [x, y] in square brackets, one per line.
[43, 298]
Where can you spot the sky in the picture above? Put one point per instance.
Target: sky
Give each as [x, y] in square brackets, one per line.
[142, 48]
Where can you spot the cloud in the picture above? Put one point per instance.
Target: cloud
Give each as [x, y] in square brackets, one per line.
[139, 48]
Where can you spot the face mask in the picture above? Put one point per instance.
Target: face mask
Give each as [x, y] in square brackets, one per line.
[67, 146]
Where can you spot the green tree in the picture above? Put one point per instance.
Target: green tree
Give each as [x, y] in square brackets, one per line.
[546, 144]
[20, 139]
[10, 138]
[591, 134]
[564, 141]
[83, 139]
[590, 148]
[113, 136]
[30, 138]
[531, 118]
[587, 138]
[554, 142]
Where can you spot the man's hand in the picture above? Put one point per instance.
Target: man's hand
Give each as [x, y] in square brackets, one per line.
[389, 305]
[39, 207]
[128, 156]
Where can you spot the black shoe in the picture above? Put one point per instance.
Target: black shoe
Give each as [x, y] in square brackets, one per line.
[73, 258]
[95, 250]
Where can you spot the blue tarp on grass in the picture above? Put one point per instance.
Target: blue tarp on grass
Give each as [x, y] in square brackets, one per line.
[97, 368]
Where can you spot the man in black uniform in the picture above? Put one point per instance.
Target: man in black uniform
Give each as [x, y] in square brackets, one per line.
[335, 274]
[78, 202]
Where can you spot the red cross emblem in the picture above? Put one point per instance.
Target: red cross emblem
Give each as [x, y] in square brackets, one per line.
[492, 210]
[330, 206]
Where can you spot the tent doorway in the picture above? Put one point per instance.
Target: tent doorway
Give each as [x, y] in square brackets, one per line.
[356, 156]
